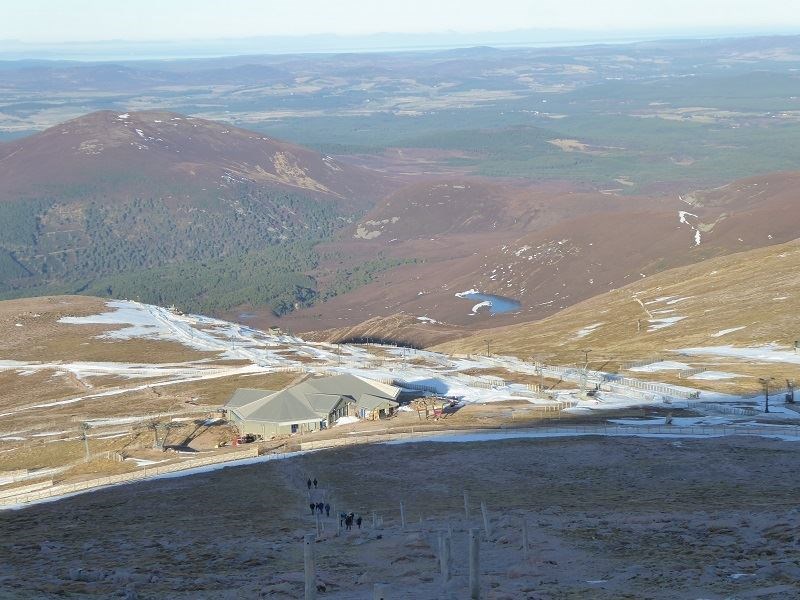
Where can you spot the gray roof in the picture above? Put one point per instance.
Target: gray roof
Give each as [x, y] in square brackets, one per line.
[352, 385]
[284, 407]
[311, 400]
[370, 402]
[244, 396]
[324, 403]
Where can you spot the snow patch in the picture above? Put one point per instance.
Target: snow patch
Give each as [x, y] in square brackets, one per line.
[480, 305]
[714, 375]
[722, 332]
[664, 365]
[583, 332]
[767, 353]
[663, 323]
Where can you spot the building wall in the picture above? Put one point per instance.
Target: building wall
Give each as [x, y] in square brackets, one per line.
[267, 430]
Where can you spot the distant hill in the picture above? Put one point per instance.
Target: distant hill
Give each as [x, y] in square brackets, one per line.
[169, 207]
[126, 155]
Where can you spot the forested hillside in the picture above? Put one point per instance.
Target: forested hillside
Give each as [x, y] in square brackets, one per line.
[212, 254]
[172, 210]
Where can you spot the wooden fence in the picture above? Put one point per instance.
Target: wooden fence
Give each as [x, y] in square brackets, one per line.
[145, 473]
[714, 407]
[787, 431]
[24, 489]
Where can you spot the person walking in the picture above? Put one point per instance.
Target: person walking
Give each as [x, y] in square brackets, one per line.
[327, 510]
[358, 521]
[342, 518]
[320, 507]
[308, 483]
[348, 521]
[313, 507]
[315, 483]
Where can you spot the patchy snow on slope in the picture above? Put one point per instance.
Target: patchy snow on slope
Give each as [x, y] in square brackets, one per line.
[427, 320]
[466, 293]
[664, 365]
[584, 331]
[767, 353]
[267, 352]
[722, 332]
[143, 320]
[662, 323]
[659, 299]
[715, 375]
[682, 214]
[347, 420]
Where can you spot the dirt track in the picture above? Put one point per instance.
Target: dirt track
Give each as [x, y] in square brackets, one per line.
[608, 518]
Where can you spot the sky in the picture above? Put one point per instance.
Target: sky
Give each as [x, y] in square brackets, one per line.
[57, 21]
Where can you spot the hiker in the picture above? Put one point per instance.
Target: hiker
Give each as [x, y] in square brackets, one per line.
[327, 510]
[320, 507]
[313, 507]
[308, 483]
[342, 517]
[315, 483]
[348, 521]
[358, 521]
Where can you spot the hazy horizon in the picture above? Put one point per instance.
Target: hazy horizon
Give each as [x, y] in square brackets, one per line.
[172, 49]
[204, 28]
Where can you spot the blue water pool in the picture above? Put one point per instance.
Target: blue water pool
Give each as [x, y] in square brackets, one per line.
[497, 304]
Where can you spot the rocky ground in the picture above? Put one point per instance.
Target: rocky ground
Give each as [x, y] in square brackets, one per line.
[607, 518]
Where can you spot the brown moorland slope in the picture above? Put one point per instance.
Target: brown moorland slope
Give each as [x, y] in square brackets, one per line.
[746, 300]
[124, 155]
[55, 375]
[548, 247]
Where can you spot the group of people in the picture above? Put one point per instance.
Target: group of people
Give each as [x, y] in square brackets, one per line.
[347, 519]
[318, 507]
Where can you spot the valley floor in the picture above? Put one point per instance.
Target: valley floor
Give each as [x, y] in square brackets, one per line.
[607, 518]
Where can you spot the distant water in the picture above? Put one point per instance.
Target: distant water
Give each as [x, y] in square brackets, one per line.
[498, 304]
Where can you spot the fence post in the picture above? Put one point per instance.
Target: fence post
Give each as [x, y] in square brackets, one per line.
[474, 565]
[486, 524]
[310, 568]
[466, 505]
[402, 514]
[444, 556]
[524, 539]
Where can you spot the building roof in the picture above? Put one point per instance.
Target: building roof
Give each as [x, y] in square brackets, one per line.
[244, 396]
[353, 385]
[369, 402]
[324, 403]
[311, 400]
[284, 408]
